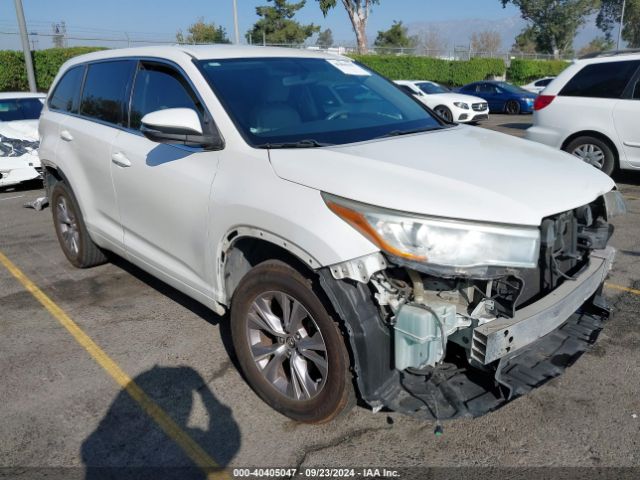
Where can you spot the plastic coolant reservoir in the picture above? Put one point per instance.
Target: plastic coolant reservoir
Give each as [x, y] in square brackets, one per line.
[417, 336]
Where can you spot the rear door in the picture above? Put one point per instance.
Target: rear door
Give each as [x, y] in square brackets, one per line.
[163, 190]
[626, 116]
[85, 146]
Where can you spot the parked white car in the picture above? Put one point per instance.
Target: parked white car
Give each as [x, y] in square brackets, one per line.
[363, 246]
[452, 106]
[19, 113]
[539, 85]
[591, 110]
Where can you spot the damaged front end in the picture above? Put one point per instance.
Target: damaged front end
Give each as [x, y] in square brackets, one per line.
[438, 341]
[19, 161]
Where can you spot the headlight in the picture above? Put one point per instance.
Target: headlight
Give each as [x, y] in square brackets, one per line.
[614, 204]
[461, 105]
[438, 241]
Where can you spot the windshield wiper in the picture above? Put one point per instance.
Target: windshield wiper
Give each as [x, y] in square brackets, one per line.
[398, 133]
[307, 143]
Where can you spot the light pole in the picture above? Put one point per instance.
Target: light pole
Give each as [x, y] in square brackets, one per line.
[24, 36]
[235, 22]
[624, 4]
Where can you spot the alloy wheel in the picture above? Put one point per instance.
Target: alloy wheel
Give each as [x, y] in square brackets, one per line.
[68, 226]
[287, 345]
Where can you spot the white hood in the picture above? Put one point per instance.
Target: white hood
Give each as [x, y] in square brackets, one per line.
[20, 129]
[462, 172]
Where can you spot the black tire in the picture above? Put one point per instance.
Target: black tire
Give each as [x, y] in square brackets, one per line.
[605, 160]
[86, 253]
[335, 394]
[444, 113]
[512, 107]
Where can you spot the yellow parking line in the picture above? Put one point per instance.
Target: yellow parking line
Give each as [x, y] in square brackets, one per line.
[620, 287]
[172, 429]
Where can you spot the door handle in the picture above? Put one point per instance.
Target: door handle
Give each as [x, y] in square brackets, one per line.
[120, 159]
[632, 144]
[66, 136]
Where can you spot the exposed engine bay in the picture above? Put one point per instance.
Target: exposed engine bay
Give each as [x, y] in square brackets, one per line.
[445, 345]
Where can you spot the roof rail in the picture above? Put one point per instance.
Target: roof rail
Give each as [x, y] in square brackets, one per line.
[610, 53]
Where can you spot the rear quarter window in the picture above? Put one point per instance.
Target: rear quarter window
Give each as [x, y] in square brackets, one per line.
[601, 80]
[66, 95]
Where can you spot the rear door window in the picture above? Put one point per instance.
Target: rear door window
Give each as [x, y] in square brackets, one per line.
[66, 95]
[157, 87]
[601, 80]
[106, 90]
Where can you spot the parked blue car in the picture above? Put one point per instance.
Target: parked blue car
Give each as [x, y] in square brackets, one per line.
[502, 97]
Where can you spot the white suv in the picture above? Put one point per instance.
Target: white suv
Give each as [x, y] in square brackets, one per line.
[357, 244]
[592, 111]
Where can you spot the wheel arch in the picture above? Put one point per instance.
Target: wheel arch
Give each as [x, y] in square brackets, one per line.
[246, 247]
[595, 134]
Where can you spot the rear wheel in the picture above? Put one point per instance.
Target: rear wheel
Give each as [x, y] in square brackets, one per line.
[291, 351]
[71, 230]
[593, 151]
[512, 107]
[444, 112]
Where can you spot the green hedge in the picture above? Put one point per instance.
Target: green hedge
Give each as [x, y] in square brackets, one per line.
[523, 71]
[46, 63]
[454, 73]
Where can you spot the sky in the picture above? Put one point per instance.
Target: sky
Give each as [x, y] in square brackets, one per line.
[158, 20]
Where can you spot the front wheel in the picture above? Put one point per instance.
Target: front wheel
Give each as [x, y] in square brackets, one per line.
[290, 350]
[444, 113]
[512, 107]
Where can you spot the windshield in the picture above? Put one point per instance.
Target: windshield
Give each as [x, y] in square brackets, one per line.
[512, 88]
[431, 88]
[312, 100]
[20, 109]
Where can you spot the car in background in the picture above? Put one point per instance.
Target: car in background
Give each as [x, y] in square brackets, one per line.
[592, 109]
[452, 106]
[19, 113]
[539, 85]
[502, 97]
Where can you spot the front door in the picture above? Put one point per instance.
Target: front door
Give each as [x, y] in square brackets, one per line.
[163, 190]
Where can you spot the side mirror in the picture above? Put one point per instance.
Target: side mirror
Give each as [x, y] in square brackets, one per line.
[179, 126]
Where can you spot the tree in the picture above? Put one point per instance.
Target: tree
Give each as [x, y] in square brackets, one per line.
[598, 44]
[358, 11]
[201, 32]
[396, 37]
[525, 41]
[608, 20]
[555, 22]
[486, 42]
[276, 25]
[325, 39]
[432, 42]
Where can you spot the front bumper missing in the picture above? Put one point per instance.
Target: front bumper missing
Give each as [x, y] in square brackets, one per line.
[452, 392]
[496, 339]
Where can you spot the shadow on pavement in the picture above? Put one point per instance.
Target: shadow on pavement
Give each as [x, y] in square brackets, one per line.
[185, 301]
[516, 126]
[128, 444]
[627, 176]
